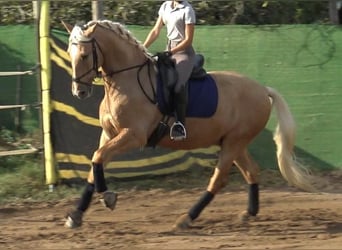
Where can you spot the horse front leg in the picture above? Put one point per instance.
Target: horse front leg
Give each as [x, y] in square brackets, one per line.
[127, 139]
[108, 198]
[74, 218]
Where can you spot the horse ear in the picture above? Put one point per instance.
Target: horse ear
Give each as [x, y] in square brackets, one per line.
[67, 26]
[91, 28]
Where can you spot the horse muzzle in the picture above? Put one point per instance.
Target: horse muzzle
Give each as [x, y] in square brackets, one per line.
[81, 91]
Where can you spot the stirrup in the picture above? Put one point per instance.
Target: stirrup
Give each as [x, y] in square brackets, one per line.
[177, 131]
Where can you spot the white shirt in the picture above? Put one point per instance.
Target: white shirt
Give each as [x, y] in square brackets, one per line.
[176, 18]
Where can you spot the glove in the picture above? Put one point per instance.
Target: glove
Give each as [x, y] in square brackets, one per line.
[164, 55]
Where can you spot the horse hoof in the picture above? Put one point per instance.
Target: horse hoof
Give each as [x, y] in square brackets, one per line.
[183, 222]
[109, 199]
[74, 219]
[245, 216]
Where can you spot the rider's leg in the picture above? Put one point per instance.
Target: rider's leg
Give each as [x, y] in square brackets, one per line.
[184, 64]
[178, 131]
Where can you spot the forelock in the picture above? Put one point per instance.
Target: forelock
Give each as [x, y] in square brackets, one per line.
[77, 35]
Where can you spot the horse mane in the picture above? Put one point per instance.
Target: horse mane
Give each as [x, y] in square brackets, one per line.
[121, 31]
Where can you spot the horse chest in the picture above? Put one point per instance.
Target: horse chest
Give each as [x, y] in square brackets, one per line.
[109, 125]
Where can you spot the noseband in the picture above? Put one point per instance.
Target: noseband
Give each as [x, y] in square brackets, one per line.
[95, 63]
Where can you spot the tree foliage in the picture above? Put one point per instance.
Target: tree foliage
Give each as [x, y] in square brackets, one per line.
[256, 12]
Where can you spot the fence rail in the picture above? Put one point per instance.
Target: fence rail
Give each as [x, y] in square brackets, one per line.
[30, 150]
[19, 152]
[21, 106]
[20, 73]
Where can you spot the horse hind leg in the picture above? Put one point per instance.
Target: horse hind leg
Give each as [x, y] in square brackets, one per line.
[250, 171]
[218, 180]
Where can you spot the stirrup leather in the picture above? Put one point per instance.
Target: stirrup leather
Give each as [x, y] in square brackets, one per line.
[177, 131]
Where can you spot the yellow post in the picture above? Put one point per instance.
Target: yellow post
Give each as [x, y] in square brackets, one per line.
[44, 30]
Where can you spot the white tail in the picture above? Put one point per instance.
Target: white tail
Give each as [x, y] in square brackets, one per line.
[284, 136]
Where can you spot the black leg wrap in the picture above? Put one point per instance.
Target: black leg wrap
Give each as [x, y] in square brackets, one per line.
[195, 211]
[253, 199]
[86, 197]
[99, 180]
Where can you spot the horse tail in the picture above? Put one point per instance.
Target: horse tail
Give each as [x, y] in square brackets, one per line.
[284, 136]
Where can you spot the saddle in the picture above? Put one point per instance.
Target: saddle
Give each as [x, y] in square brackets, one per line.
[198, 71]
[167, 79]
[168, 76]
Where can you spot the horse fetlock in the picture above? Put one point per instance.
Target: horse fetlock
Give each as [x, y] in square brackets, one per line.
[109, 199]
[74, 219]
[183, 222]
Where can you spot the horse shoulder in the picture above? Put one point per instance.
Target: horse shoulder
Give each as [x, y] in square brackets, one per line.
[107, 121]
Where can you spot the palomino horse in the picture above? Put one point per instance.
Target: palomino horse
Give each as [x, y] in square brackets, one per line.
[129, 115]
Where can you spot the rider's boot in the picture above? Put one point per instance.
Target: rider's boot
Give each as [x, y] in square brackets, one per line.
[177, 130]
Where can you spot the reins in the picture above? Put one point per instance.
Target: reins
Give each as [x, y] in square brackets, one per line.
[153, 99]
[126, 69]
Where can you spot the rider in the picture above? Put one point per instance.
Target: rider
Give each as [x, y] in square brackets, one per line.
[179, 18]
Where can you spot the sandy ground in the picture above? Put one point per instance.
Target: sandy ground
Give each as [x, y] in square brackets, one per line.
[143, 219]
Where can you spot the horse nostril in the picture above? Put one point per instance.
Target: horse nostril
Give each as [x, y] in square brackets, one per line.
[82, 94]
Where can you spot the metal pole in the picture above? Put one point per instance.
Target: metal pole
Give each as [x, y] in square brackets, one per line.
[18, 117]
[36, 9]
[333, 12]
[45, 73]
[97, 9]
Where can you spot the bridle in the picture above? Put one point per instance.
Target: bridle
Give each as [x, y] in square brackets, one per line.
[95, 62]
[95, 67]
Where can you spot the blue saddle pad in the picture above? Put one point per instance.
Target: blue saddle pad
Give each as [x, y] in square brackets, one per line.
[202, 99]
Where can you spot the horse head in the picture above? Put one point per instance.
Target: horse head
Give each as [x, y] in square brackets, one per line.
[86, 58]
